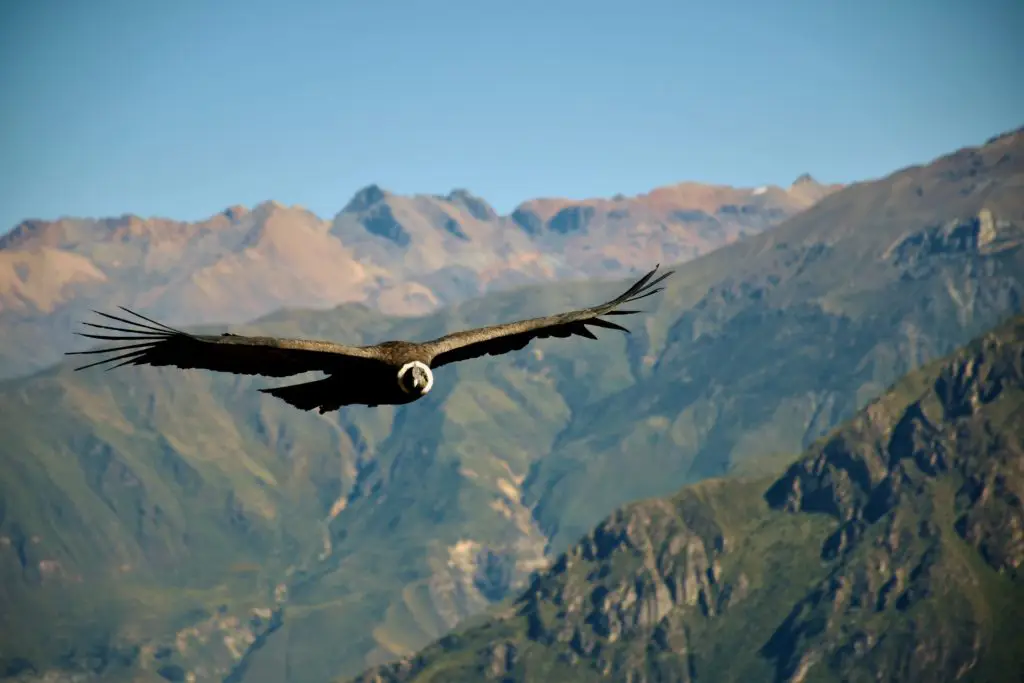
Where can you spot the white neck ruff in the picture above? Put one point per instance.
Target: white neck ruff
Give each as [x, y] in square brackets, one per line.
[409, 366]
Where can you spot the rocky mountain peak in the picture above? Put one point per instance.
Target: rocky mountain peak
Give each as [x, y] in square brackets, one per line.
[235, 212]
[477, 207]
[805, 179]
[365, 198]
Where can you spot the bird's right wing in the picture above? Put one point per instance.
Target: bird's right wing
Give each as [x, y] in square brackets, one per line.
[152, 343]
[498, 339]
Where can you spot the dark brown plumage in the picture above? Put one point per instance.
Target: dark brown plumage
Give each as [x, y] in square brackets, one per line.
[389, 373]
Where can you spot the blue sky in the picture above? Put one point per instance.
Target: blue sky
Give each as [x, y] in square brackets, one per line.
[183, 108]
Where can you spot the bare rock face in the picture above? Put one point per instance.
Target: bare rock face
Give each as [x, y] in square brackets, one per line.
[921, 452]
[599, 607]
[985, 233]
[892, 451]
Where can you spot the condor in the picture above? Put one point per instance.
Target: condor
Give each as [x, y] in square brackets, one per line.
[389, 373]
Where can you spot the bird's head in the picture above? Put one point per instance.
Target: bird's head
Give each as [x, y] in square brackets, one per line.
[415, 378]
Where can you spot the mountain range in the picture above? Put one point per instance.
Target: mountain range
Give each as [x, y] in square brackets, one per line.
[159, 524]
[401, 255]
[891, 550]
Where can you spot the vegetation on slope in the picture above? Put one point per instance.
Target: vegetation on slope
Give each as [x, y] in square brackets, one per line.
[157, 492]
[891, 551]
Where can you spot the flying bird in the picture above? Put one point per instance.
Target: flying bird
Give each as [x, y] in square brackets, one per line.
[389, 373]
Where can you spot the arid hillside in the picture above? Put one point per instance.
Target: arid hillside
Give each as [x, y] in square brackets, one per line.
[400, 255]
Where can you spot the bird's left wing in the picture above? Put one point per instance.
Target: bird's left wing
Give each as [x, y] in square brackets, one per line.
[499, 339]
[148, 342]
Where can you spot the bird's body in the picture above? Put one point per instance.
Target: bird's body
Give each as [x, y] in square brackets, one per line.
[389, 373]
[374, 385]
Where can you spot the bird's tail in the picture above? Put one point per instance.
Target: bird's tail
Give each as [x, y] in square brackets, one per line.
[323, 394]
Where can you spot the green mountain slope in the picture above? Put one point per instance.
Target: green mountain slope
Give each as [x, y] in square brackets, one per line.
[891, 551]
[779, 337]
[194, 510]
[140, 507]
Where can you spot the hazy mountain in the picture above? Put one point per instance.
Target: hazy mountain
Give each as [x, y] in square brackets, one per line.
[891, 551]
[147, 513]
[402, 255]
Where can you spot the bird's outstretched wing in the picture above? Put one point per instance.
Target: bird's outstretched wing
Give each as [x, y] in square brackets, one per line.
[148, 342]
[499, 339]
